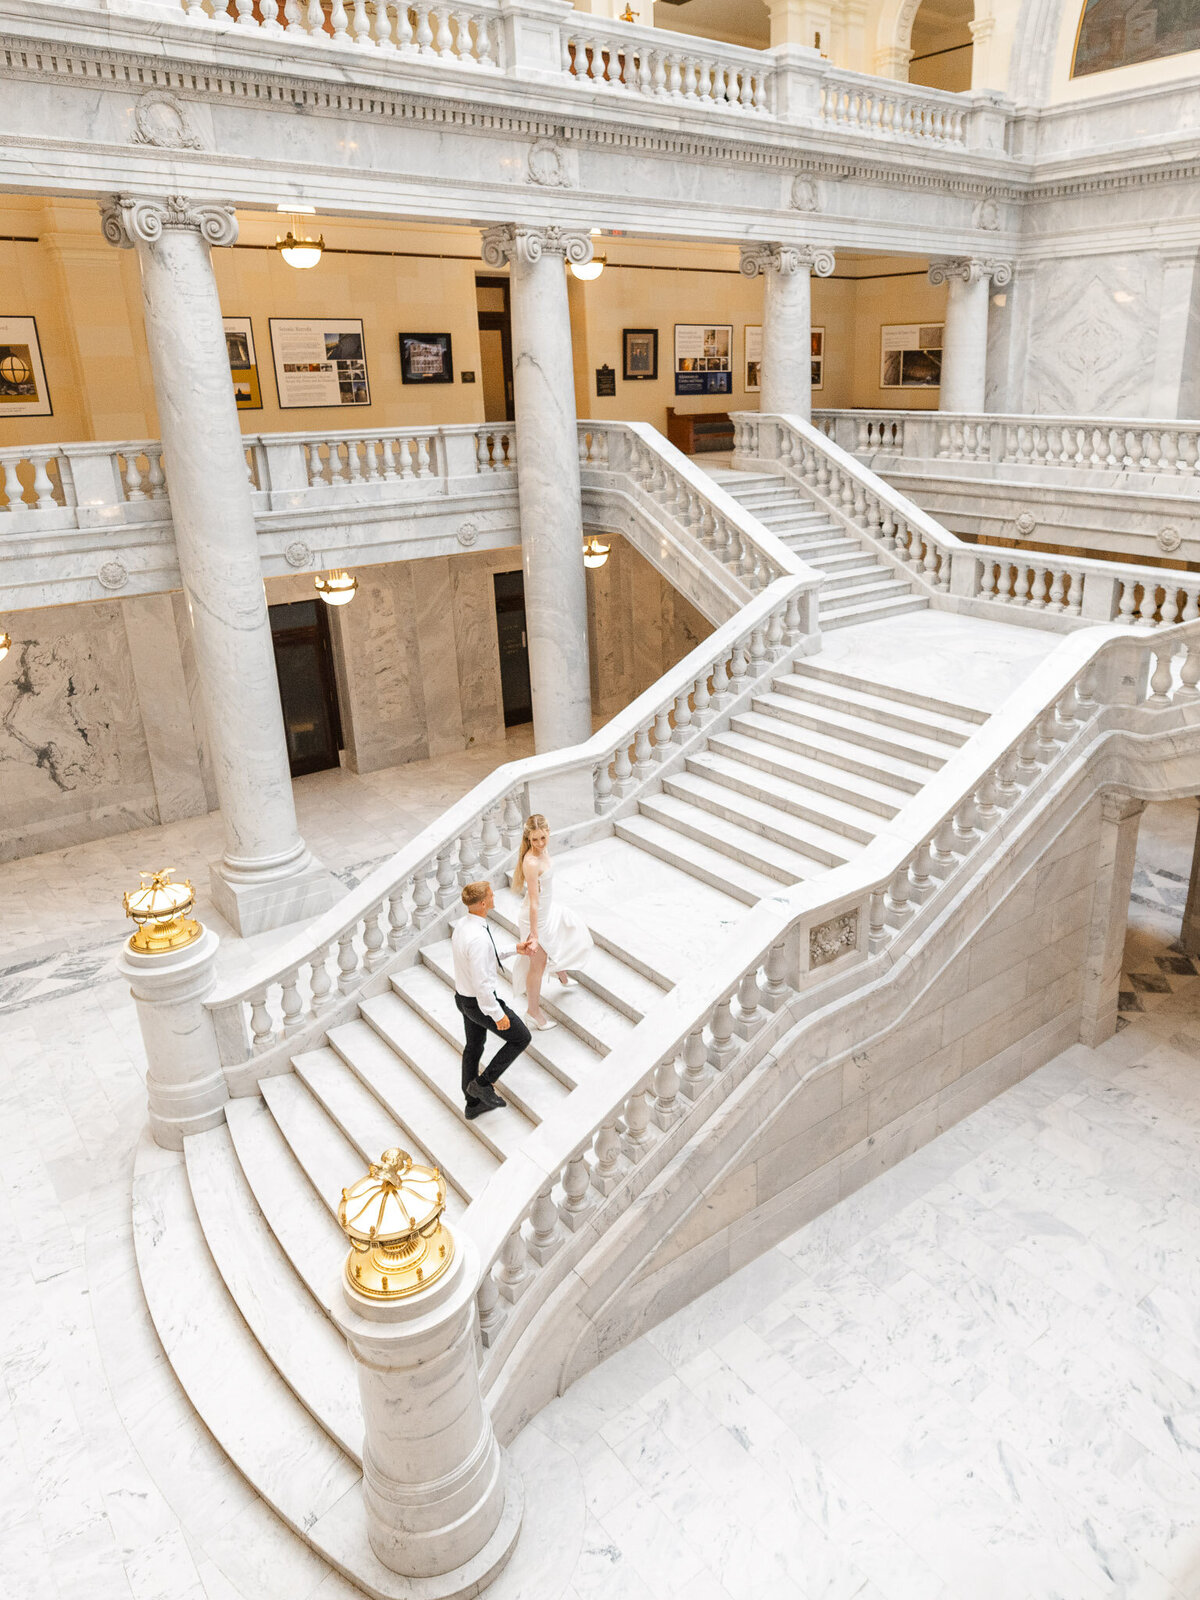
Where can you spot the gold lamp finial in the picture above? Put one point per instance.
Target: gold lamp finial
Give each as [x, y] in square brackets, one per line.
[394, 1220]
[160, 910]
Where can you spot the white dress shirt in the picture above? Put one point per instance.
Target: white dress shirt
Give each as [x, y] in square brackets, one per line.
[477, 963]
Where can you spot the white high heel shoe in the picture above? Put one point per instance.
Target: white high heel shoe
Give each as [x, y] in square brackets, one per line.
[546, 1022]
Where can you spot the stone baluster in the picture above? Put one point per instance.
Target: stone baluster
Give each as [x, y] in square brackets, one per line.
[877, 922]
[636, 1138]
[546, 1234]
[492, 844]
[662, 732]
[262, 1024]
[513, 1275]
[291, 1001]
[624, 782]
[468, 853]
[577, 1198]
[602, 788]
[424, 33]
[424, 910]
[1161, 678]
[606, 1152]
[321, 982]
[383, 23]
[1189, 676]
[338, 21]
[514, 821]
[348, 962]
[750, 1012]
[666, 1091]
[361, 26]
[398, 921]
[696, 1070]
[721, 1049]
[375, 938]
[446, 893]
[487, 1302]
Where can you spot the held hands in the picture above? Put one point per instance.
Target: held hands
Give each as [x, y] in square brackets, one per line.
[528, 947]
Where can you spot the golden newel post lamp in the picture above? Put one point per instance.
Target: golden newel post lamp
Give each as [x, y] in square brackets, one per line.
[442, 1500]
[170, 963]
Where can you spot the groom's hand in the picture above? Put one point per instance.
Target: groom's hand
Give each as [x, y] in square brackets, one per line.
[502, 1023]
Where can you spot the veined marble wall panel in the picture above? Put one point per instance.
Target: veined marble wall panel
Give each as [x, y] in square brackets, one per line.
[384, 720]
[481, 701]
[1093, 334]
[638, 627]
[74, 762]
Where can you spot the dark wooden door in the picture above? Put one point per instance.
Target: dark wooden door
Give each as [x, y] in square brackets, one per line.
[514, 647]
[495, 348]
[307, 687]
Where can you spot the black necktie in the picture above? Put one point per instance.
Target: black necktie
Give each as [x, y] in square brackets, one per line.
[495, 952]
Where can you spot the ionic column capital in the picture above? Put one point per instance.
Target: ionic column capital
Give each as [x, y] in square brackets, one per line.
[128, 221]
[969, 269]
[520, 241]
[786, 259]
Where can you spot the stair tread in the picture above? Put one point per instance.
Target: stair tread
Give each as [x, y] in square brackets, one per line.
[329, 1159]
[844, 753]
[641, 980]
[822, 847]
[710, 866]
[291, 1328]
[443, 1136]
[948, 729]
[870, 611]
[247, 1407]
[971, 715]
[369, 1126]
[763, 855]
[855, 728]
[789, 765]
[845, 821]
[840, 583]
[888, 585]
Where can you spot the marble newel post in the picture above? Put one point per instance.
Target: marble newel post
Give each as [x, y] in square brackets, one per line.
[1117, 848]
[548, 475]
[785, 382]
[266, 876]
[965, 337]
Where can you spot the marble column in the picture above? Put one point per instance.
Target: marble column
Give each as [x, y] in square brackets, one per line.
[266, 876]
[548, 474]
[964, 341]
[1189, 938]
[1117, 848]
[785, 381]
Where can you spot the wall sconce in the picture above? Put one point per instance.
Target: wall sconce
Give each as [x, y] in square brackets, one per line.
[587, 271]
[5, 644]
[336, 588]
[295, 249]
[595, 551]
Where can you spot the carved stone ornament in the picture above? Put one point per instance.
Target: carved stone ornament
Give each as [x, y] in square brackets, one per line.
[987, 214]
[468, 533]
[1169, 539]
[806, 193]
[786, 259]
[548, 166]
[1024, 524]
[298, 555]
[160, 119]
[128, 221]
[113, 575]
[519, 241]
[969, 269]
[832, 939]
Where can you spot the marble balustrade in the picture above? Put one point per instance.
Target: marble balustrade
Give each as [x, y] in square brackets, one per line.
[1057, 591]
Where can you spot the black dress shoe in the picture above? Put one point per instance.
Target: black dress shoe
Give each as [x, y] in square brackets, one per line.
[481, 1097]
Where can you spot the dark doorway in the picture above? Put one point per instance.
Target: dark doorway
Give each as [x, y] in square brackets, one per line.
[495, 348]
[514, 647]
[307, 688]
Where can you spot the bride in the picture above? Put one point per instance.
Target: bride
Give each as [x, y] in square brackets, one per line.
[553, 939]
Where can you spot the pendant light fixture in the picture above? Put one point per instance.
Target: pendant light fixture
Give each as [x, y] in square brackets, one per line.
[595, 551]
[297, 250]
[337, 587]
[589, 271]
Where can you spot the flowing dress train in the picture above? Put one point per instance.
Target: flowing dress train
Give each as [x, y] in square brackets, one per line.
[562, 934]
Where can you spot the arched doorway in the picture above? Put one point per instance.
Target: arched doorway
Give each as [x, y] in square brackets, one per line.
[941, 44]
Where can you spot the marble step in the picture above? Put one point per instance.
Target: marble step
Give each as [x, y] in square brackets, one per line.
[892, 691]
[880, 585]
[847, 616]
[380, 1049]
[303, 1223]
[847, 823]
[809, 772]
[855, 726]
[823, 544]
[822, 846]
[329, 1160]
[272, 1440]
[833, 751]
[740, 843]
[843, 565]
[596, 1025]
[840, 583]
[731, 479]
[697, 860]
[862, 700]
[290, 1327]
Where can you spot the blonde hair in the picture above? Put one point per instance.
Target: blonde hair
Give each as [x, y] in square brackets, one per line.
[534, 824]
[475, 893]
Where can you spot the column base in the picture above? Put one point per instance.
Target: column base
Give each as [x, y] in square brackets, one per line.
[252, 904]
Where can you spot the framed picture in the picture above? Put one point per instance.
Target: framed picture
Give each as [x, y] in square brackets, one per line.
[243, 364]
[910, 355]
[703, 358]
[641, 353]
[23, 388]
[753, 358]
[426, 358]
[818, 358]
[319, 362]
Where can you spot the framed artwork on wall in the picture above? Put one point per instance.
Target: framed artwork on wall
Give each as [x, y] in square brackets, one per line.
[910, 355]
[703, 358]
[23, 388]
[753, 358]
[818, 358]
[426, 358]
[243, 364]
[319, 362]
[640, 347]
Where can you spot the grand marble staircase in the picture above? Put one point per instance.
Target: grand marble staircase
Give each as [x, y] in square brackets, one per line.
[238, 1244]
[858, 586]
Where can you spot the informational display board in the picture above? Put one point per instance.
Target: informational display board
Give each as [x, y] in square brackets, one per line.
[818, 358]
[23, 389]
[910, 355]
[754, 358]
[319, 362]
[703, 358]
[426, 358]
[243, 363]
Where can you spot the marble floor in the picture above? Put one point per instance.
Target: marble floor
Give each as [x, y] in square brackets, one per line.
[979, 1377]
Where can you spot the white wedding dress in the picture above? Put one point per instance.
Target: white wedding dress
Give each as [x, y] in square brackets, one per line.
[562, 934]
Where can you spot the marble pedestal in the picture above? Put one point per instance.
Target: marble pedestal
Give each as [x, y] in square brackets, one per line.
[256, 901]
[443, 1503]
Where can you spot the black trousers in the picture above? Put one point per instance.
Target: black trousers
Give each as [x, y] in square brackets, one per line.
[477, 1025]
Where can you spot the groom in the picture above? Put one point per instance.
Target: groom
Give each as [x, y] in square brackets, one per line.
[476, 974]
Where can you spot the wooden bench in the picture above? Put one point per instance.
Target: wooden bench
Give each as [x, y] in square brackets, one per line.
[694, 432]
